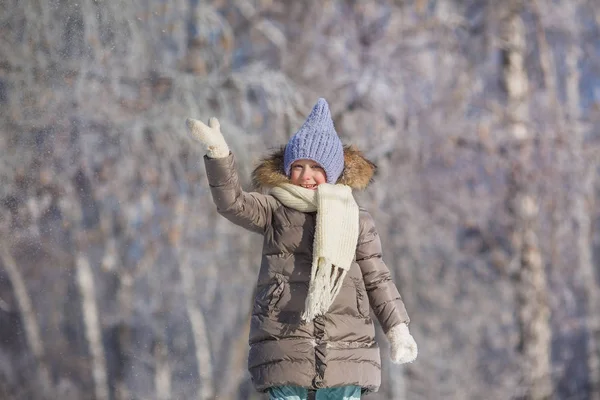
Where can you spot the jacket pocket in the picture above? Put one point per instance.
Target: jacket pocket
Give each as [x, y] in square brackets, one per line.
[362, 301]
[268, 296]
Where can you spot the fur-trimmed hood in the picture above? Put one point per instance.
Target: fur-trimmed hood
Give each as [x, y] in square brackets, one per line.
[358, 170]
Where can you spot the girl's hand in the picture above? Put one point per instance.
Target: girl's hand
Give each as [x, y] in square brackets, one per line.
[209, 136]
[402, 344]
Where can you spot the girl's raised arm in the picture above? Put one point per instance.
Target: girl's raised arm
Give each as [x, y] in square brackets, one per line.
[250, 210]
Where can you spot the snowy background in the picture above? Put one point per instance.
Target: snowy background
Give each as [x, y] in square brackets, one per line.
[118, 280]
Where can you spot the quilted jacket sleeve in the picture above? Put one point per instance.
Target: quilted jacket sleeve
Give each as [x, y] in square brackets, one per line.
[249, 210]
[384, 298]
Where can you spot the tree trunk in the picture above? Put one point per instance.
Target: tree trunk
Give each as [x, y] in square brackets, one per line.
[30, 324]
[197, 322]
[162, 373]
[522, 205]
[93, 328]
[582, 214]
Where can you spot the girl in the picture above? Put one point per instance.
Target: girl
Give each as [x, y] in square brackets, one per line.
[321, 269]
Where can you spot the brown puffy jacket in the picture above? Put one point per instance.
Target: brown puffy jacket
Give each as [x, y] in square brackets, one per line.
[337, 348]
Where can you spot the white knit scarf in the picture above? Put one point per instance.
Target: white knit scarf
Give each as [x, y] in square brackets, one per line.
[336, 236]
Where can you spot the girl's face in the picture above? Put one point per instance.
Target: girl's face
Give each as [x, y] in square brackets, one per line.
[307, 173]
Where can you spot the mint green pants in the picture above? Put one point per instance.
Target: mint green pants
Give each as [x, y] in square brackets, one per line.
[298, 393]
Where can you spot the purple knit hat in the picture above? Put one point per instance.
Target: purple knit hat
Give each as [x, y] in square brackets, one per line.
[317, 140]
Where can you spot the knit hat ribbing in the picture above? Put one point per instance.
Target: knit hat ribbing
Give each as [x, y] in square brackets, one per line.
[317, 140]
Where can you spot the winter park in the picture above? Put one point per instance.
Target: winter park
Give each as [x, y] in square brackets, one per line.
[316, 199]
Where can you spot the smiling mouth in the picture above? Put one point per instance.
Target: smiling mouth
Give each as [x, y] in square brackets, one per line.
[313, 186]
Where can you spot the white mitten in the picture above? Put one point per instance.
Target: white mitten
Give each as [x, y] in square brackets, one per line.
[209, 136]
[402, 345]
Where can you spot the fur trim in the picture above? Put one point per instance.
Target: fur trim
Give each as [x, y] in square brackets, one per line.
[358, 171]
